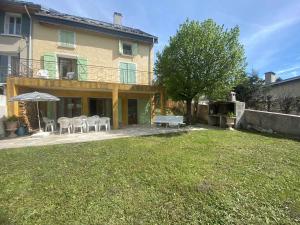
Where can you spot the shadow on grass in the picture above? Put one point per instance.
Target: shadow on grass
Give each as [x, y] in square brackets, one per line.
[166, 135]
[275, 135]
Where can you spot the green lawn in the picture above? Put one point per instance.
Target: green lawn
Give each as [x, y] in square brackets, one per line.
[206, 177]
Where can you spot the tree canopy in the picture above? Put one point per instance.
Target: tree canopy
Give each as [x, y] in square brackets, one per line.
[250, 88]
[203, 58]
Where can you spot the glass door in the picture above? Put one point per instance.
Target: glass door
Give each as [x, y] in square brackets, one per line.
[132, 111]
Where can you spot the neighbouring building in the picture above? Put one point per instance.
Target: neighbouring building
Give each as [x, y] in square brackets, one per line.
[283, 92]
[287, 87]
[94, 67]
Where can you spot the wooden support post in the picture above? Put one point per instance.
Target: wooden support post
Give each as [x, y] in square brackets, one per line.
[115, 107]
[124, 111]
[11, 91]
[85, 105]
[162, 103]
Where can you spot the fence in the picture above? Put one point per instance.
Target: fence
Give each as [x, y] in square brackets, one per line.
[74, 70]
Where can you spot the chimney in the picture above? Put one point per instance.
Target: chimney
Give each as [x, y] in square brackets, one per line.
[117, 19]
[270, 77]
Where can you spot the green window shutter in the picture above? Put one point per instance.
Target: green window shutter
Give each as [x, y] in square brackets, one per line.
[120, 110]
[66, 39]
[135, 49]
[2, 19]
[50, 63]
[82, 69]
[120, 47]
[127, 73]
[124, 73]
[144, 111]
[25, 25]
[131, 73]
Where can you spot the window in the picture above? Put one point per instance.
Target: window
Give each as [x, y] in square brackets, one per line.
[127, 73]
[67, 68]
[9, 64]
[69, 107]
[13, 24]
[127, 49]
[130, 49]
[66, 39]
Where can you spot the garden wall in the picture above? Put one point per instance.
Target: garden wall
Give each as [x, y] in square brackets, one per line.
[271, 122]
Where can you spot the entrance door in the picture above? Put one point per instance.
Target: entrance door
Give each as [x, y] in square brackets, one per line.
[132, 111]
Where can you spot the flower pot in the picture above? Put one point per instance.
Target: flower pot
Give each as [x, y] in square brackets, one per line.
[230, 122]
[11, 126]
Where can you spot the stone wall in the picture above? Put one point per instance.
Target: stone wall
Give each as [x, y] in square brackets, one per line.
[271, 122]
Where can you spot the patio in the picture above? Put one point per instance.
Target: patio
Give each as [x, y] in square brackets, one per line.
[130, 131]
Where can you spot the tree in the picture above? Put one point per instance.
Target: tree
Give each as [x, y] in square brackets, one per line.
[286, 100]
[251, 89]
[201, 59]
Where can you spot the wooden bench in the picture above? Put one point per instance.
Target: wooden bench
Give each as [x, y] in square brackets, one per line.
[169, 120]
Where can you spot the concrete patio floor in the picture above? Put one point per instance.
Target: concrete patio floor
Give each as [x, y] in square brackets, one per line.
[53, 139]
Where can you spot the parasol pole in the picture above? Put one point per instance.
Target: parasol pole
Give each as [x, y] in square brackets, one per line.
[38, 112]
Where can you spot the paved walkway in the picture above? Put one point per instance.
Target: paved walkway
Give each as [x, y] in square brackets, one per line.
[53, 139]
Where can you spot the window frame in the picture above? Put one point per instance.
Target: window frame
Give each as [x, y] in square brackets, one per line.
[66, 45]
[136, 71]
[128, 44]
[7, 23]
[59, 64]
[10, 64]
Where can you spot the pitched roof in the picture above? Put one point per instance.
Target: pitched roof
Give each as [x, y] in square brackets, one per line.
[285, 81]
[18, 3]
[53, 16]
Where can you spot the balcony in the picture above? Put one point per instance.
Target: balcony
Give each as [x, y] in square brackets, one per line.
[73, 69]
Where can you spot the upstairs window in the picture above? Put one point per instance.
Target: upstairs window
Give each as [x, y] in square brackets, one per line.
[13, 24]
[129, 49]
[67, 68]
[66, 39]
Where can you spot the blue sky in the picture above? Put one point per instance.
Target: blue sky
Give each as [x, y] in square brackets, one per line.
[269, 28]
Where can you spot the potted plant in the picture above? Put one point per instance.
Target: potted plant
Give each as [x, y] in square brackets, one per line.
[230, 120]
[11, 124]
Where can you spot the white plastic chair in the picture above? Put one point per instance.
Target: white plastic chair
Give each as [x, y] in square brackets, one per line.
[84, 118]
[78, 122]
[49, 124]
[92, 122]
[107, 122]
[64, 123]
[103, 121]
[42, 74]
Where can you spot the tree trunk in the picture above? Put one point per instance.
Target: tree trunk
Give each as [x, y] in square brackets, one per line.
[189, 111]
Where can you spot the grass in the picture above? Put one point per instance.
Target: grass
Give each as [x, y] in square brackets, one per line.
[208, 177]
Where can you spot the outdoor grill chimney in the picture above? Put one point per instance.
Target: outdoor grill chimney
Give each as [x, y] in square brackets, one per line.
[117, 19]
[270, 77]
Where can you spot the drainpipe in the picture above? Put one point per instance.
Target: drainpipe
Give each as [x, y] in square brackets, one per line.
[30, 41]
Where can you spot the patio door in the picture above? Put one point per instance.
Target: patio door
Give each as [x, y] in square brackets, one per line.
[101, 107]
[132, 111]
[69, 107]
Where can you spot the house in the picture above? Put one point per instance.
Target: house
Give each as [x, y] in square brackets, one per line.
[288, 87]
[94, 67]
[284, 95]
[14, 35]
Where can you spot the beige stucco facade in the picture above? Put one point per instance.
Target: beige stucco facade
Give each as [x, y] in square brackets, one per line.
[13, 45]
[101, 52]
